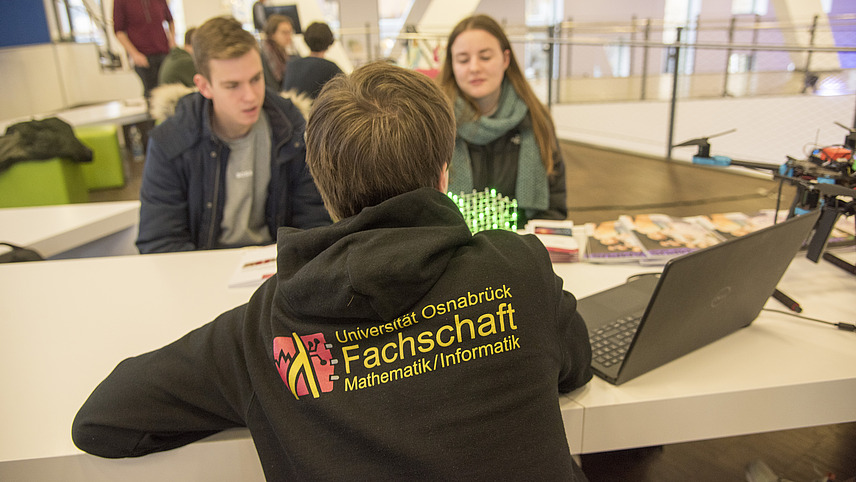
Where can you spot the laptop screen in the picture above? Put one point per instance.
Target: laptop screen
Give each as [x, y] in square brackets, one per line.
[699, 298]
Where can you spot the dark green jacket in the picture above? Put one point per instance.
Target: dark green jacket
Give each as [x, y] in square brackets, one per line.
[177, 68]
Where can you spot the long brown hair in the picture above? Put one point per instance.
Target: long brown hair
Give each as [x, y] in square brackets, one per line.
[277, 57]
[542, 121]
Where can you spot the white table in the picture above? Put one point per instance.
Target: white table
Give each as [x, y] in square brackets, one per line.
[779, 373]
[73, 230]
[67, 323]
[119, 112]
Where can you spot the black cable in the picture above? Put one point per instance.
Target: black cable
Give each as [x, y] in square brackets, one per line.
[841, 326]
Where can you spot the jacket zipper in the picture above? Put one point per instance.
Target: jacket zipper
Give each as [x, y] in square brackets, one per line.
[215, 202]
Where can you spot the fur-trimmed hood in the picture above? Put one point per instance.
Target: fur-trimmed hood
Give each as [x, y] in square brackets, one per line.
[165, 98]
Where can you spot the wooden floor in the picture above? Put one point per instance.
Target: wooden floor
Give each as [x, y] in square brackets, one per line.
[800, 455]
[602, 185]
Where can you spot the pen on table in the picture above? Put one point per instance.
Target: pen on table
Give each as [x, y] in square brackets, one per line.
[787, 301]
[259, 262]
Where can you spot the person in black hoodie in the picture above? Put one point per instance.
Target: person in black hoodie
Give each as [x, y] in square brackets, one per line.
[392, 344]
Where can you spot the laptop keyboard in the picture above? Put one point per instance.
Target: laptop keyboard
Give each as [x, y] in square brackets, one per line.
[610, 342]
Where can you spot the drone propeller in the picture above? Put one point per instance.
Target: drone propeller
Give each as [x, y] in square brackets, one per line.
[703, 140]
[850, 140]
[702, 143]
[850, 129]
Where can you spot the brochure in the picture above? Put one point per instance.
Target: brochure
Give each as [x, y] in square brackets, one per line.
[256, 265]
[611, 242]
[664, 236]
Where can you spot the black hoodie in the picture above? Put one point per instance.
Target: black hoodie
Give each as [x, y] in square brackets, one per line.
[391, 345]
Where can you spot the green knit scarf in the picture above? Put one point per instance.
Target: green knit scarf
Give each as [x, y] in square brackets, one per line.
[532, 190]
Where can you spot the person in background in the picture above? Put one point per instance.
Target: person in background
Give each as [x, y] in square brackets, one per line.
[228, 168]
[506, 137]
[309, 74]
[259, 15]
[178, 66]
[391, 345]
[278, 33]
[139, 27]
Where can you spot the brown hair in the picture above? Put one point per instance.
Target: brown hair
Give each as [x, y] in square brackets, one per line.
[272, 23]
[220, 38]
[318, 37]
[542, 121]
[380, 132]
[188, 36]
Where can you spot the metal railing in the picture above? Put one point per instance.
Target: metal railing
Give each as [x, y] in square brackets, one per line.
[642, 50]
[710, 48]
[652, 61]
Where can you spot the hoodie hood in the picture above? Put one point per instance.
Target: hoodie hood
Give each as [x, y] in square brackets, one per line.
[375, 265]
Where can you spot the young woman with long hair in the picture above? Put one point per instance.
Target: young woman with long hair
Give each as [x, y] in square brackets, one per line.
[277, 39]
[506, 138]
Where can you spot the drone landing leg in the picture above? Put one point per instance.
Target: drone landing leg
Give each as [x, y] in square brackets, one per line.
[850, 268]
[840, 263]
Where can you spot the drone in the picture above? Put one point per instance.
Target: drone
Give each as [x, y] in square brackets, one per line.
[826, 165]
[826, 176]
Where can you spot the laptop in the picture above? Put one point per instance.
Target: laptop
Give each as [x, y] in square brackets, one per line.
[698, 298]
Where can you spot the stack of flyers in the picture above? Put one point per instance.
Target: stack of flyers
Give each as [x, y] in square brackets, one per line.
[558, 238]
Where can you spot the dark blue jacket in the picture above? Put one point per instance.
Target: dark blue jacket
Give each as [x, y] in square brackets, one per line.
[184, 179]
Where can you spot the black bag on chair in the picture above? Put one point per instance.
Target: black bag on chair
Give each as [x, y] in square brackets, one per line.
[19, 254]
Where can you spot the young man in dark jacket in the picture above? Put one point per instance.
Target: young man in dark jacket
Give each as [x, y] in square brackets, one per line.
[228, 168]
[392, 345]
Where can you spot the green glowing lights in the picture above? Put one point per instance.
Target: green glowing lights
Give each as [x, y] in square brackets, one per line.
[487, 210]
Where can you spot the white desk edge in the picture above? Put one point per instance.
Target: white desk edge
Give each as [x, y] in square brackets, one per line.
[696, 397]
[53, 230]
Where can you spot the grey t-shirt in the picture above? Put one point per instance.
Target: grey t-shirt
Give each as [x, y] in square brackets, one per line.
[247, 179]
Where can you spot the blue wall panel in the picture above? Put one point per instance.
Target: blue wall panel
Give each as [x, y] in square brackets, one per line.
[23, 22]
